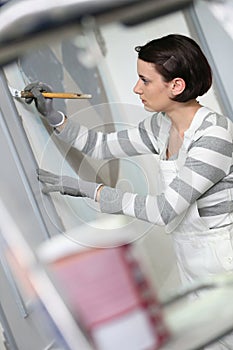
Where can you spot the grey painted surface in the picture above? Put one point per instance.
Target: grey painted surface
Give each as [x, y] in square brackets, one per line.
[218, 46]
[17, 179]
[35, 214]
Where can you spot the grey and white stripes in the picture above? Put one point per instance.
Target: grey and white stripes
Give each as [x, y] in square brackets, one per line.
[205, 177]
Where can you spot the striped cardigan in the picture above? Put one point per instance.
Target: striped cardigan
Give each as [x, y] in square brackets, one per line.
[208, 163]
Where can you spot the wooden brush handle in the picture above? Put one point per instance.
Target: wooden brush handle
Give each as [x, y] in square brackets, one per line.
[65, 95]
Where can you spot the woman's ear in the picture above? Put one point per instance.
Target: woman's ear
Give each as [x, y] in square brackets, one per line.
[177, 86]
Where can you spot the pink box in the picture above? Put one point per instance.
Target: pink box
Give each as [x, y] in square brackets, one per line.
[111, 297]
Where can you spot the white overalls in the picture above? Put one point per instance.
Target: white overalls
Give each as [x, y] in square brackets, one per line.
[200, 251]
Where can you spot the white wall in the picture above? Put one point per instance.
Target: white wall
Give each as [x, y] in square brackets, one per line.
[121, 57]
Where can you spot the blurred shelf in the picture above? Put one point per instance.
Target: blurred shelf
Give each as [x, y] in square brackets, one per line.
[197, 323]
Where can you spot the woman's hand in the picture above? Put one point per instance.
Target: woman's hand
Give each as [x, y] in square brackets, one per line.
[44, 105]
[67, 185]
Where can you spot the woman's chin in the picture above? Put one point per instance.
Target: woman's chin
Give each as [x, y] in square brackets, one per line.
[149, 109]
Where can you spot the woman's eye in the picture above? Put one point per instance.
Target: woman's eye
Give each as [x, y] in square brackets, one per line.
[145, 81]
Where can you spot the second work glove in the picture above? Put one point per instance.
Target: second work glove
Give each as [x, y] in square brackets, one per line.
[44, 105]
[67, 185]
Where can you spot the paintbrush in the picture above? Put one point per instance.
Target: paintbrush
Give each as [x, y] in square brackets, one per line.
[65, 95]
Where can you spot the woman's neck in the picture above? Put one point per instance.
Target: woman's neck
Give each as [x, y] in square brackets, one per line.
[182, 114]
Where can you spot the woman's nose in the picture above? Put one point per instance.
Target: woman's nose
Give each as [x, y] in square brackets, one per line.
[137, 89]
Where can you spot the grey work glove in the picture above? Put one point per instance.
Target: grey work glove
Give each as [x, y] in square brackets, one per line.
[67, 185]
[44, 105]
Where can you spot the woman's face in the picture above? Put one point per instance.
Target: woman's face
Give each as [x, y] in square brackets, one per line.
[154, 92]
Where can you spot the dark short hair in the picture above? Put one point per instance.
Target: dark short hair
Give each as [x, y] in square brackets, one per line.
[178, 56]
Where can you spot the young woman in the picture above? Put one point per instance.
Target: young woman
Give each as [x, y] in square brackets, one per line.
[194, 145]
